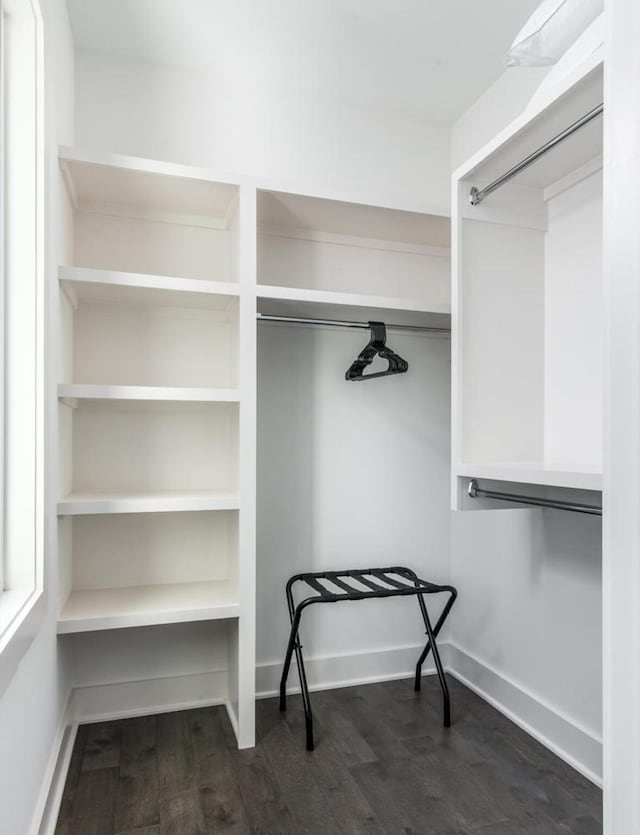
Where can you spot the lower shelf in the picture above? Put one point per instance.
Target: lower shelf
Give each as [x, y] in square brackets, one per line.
[119, 608]
[161, 502]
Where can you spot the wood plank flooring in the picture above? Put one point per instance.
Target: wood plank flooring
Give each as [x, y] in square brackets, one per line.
[383, 764]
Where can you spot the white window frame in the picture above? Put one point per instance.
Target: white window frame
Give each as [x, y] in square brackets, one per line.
[22, 318]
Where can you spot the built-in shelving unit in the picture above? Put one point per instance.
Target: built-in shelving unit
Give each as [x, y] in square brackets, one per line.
[331, 259]
[166, 269]
[151, 528]
[527, 311]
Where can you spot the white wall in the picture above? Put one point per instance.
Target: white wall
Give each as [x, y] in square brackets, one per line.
[530, 609]
[497, 106]
[530, 587]
[574, 345]
[32, 706]
[350, 475]
[185, 117]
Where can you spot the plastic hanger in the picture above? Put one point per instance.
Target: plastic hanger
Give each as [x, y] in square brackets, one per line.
[376, 347]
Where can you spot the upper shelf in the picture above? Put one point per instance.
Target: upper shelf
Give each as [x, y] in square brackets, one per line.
[312, 250]
[535, 127]
[134, 187]
[278, 211]
[288, 301]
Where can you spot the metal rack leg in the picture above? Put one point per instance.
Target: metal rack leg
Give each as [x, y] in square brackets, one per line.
[436, 657]
[294, 645]
[436, 631]
[293, 641]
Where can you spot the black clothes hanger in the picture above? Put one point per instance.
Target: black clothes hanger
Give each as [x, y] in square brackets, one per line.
[377, 347]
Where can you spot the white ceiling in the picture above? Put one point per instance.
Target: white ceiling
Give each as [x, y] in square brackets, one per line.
[432, 58]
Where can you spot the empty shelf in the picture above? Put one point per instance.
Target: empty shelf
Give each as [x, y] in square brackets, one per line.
[93, 285]
[87, 611]
[99, 181]
[161, 502]
[75, 391]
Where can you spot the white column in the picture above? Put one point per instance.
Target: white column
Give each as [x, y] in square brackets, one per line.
[247, 526]
[621, 561]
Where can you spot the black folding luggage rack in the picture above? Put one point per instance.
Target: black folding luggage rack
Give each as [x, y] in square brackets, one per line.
[374, 583]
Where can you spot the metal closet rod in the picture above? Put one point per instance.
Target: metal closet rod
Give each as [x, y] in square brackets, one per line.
[339, 323]
[476, 493]
[477, 195]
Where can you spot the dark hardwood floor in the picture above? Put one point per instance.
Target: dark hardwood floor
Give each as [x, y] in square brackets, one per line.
[383, 764]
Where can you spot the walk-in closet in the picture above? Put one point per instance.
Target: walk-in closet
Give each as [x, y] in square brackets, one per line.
[319, 389]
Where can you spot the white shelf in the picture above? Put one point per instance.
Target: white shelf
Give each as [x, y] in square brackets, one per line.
[73, 155]
[73, 391]
[98, 182]
[87, 611]
[92, 285]
[292, 301]
[75, 504]
[296, 215]
[579, 93]
[532, 473]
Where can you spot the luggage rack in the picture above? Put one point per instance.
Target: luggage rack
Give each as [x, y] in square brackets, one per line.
[365, 584]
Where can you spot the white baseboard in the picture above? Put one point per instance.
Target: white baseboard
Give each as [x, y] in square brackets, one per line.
[333, 672]
[103, 702]
[48, 805]
[559, 733]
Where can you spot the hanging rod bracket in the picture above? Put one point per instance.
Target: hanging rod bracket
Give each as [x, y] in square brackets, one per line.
[474, 199]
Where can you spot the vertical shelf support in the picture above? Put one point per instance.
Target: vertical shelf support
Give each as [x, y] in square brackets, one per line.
[621, 531]
[247, 257]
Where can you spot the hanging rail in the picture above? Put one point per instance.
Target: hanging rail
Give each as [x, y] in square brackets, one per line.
[477, 195]
[476, 493]
[339, 323]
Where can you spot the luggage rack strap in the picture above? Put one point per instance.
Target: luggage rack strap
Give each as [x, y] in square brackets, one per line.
[335, 577]
[381, 575]
[316, 586]
[380, 582]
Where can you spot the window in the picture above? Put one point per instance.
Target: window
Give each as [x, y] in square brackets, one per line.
[21, 316]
